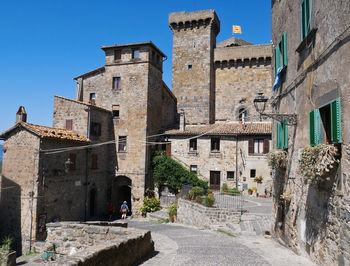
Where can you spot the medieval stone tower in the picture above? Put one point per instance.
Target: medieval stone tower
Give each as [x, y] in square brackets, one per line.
[193, 74]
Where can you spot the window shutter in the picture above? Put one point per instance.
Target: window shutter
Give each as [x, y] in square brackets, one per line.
[285, 135]
[277, 58]
[284, 45]
[317, 125]
[312, 128]
[279, 135]
[266, 146]
[336, 121]
[307, 17]
[251, 146]
[168, 149]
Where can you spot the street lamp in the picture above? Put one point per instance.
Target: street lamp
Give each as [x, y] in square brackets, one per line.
[260, 105]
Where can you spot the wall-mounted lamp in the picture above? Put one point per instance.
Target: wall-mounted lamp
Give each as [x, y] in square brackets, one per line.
[260, 105]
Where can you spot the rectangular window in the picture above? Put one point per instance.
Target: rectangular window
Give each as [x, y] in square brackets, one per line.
[189, 67]
[153, 56]
[305, 18]
[115, 110]
[193, 144]
[117, 54]
[117, 83]
[193, 168]
[73, 161]
[252, 173]
[230, 174]
[94, 161]
[215, 144]
[122, 144]
[95, 129]
[69, 124]
[280, 53]
[135, 53]
[325, 124]
[92, 98]
[258, 146]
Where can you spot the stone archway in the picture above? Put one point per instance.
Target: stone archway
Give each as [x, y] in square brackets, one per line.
[121, 191]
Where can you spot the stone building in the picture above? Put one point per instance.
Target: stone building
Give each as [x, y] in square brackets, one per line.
[215, 84]
[311, 47]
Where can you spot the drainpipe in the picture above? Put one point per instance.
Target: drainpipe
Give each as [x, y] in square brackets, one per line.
[87, 167]
[237, 161]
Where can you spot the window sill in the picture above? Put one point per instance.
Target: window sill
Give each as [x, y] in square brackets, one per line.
[193, 153]
[122, 152]
[257, 154]
[216, 154]
[311, 35]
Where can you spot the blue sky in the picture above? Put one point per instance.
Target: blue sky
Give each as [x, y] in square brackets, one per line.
[45, 43]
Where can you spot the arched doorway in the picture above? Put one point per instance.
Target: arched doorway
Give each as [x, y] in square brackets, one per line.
[121, 191]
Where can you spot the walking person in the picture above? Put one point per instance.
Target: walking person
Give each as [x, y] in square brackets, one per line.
[124, 209]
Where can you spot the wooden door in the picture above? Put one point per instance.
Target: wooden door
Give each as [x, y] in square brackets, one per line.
[215, 180]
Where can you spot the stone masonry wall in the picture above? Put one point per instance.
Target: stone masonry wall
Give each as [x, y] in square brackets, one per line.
[19, 178]
[194, 37]
[223, 161]
[316, 222]
[195, 214]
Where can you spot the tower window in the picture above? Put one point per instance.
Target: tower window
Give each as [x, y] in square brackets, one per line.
[117, 82]
[215, 145]
[136, 53]
[117, 54]
[115, 111]
[92, 98]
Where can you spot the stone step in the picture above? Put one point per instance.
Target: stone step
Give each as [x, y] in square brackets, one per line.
[158, 215]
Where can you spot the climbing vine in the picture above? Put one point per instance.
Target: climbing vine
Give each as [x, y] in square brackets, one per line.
[277, 159]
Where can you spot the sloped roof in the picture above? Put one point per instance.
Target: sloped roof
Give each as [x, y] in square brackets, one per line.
[84, 103]
[47, 132]
[235, 128]
[100, 69]
[233, 42]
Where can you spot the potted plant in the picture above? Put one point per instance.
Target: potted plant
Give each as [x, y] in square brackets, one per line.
[209, 200]
[224, 188]
[172, 211]
[250, 191]
[258, 179]
[7, 255]
[255, 189]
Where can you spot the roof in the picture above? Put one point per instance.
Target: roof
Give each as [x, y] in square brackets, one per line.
[84, 103]
[47, 132]
[91, 72]
[150, 43]
[234, 128]
[233, 42]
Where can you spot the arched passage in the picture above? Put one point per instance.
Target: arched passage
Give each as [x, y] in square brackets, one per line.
[121, 191]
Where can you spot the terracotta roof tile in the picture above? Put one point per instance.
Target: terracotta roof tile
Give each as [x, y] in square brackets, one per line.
[235, 128]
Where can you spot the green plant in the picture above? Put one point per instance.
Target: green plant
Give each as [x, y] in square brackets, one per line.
[199, 199]
[167, 171]
[224, 188]
[172, 211]
[226, 233]
[197, 191]
[277, 159]
[286, 196]
[150, 205]
[163, 221]
[209, 200]
[254, 188]
[258, 179]
[316, 161]
[250, 190]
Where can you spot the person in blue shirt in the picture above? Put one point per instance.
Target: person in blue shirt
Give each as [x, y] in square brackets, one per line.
[124, 209]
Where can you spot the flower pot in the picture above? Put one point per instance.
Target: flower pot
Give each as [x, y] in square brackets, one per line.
[250, 192]
[175, 218]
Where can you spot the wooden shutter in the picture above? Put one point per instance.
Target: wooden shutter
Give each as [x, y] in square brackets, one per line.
[285, 135]
[251, 146]
[336, 121]
[168, 149]
[266, 146]
[279, 135]
[284, 50]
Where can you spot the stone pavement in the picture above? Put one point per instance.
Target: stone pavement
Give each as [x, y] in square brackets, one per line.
[183, 245]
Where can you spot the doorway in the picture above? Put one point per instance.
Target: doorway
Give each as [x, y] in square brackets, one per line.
[215, 180]
[92, 202]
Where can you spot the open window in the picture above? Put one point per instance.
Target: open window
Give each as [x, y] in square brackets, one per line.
[325, 124]
[115, 111]
[92, 98]
[215, 145]
[193, 144]
[122, 143]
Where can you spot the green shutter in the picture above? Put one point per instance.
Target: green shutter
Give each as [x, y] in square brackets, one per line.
[336, 121]
[317, 125]
[277, 59]
[302, 20]
[285, 135]
[279, 135]
[312, 127]
[307, 17]
[284, 45]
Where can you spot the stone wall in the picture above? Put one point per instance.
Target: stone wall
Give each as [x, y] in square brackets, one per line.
[19, 179]
[79, 244]
[223, 161]
[195, 214]
[194, 38]
[316, 222]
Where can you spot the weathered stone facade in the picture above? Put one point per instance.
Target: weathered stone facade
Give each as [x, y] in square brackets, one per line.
[316, 221]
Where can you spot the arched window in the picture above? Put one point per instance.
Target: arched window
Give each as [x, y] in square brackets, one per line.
[242, 114]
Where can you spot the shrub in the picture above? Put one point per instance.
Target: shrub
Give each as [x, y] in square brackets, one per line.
[167, 171]
[149, 193]
[234, 191]
[258, 179]
[209, 201]
[172, 211]
[150, 205]
[277, 159]
[5, 249]
[224, 188]
[197, 191]
[199, 199]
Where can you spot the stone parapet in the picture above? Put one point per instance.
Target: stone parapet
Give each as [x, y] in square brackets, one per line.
[191, 213]
[236, 53]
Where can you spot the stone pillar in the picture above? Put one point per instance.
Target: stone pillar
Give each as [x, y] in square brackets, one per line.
[21, 115]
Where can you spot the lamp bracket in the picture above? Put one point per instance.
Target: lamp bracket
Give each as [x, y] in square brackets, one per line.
[289, 119]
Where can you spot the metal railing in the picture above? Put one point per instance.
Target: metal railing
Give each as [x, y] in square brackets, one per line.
[229, 200]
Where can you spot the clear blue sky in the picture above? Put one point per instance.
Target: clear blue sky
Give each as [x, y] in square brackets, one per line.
[45, 43]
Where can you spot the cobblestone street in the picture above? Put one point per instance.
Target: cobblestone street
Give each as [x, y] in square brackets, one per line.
[182, 245]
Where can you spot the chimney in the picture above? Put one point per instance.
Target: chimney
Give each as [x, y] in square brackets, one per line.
[21, 115]
[182, 120]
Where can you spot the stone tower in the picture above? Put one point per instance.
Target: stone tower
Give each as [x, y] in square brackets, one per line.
[193, 74]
